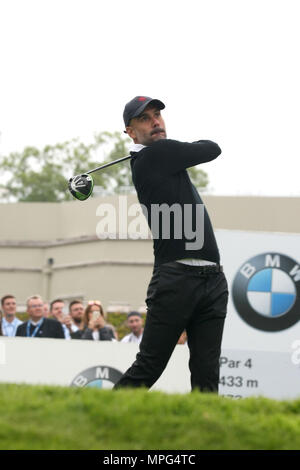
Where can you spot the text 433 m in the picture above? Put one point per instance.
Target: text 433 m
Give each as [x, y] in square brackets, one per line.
[237, 381]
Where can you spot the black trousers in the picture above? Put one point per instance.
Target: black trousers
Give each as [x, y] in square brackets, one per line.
[182, 297]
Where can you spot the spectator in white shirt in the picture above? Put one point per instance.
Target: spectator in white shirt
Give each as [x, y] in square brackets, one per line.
[57, 308]
[9, 322]
[135, 323]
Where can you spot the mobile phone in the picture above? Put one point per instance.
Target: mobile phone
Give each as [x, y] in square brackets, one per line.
[96, 315]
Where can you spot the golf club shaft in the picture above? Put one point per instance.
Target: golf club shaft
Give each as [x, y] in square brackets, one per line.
[108, 164]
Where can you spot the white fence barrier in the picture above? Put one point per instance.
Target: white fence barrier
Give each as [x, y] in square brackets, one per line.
[91, 363]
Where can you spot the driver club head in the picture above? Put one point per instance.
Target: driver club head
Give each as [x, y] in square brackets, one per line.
[81, 186]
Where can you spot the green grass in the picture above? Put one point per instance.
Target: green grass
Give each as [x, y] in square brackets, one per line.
[44, 417]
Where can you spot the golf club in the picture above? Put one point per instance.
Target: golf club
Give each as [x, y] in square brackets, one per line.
[81, 186]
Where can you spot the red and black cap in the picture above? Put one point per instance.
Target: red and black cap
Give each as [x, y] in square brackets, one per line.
[136, 106]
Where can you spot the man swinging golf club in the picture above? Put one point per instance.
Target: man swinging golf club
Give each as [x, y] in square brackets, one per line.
[188, 290]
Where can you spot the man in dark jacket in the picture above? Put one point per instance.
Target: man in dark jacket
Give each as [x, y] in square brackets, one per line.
[37, 326]
[188, 290]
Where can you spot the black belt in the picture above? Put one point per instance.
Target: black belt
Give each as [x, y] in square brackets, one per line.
[208, 268]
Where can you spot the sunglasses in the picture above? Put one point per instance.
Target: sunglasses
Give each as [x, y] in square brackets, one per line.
[95, 302]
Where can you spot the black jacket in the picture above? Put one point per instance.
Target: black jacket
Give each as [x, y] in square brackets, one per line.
[105, 334]
[160, 178]
[48, 329]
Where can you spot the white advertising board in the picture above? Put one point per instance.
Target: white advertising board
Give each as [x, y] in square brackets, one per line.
[92, 363]
[263, 273]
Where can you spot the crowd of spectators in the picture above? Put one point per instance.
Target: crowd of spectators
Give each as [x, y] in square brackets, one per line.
[58, 320]
[73, 321]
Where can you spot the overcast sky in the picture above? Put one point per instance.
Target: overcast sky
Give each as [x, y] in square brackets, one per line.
[227, 70]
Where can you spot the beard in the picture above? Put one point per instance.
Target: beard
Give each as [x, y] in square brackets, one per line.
[157, 134]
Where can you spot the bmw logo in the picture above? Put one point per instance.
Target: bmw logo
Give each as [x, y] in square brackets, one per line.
[266, 292]
[98, 377]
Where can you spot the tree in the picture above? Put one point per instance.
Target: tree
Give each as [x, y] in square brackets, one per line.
[198, 177]
[42, 175]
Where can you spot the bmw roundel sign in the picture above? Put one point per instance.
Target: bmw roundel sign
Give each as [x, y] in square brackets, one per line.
[266, 292]
[98, 377]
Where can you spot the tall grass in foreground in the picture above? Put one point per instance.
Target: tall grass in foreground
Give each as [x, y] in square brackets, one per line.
[44, 417]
